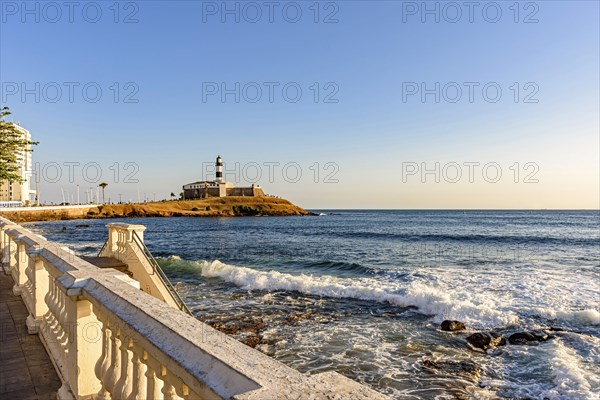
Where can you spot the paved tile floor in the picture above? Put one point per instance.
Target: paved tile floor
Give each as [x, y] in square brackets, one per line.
[26, 371]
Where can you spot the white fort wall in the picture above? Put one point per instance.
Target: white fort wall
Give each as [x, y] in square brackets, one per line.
[110, 340]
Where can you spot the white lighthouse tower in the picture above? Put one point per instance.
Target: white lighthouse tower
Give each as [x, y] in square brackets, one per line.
[219, 165]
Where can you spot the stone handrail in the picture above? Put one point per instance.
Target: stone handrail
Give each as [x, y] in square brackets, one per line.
[109, 340]
[126, 244]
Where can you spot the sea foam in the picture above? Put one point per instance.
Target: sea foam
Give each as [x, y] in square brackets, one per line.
[572, 380]
[430, 300]
[586, 317]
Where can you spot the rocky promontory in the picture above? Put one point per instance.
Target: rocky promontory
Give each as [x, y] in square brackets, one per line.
[212, 207]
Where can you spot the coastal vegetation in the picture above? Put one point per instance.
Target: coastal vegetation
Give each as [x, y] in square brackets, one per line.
[12, 146]
[103, 185]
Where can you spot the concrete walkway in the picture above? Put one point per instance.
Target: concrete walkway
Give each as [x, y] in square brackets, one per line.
[26, 371]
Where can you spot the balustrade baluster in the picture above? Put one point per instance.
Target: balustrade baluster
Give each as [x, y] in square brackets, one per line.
[103, 363]
[29, 284]
[139, 373]
[155, 385]
[63, 337]
[51, 301]
[169, 392]
[30, 270]
[111, 375]
[125, 385]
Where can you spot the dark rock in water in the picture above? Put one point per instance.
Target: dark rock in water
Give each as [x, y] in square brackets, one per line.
[467, 369]
[292, 319]
[231, 327]
[529, 398]
[527, 338]
[82, 226]
[251, 340]
[553, 332]
[453, 326]
[322, 320]
[485, 340]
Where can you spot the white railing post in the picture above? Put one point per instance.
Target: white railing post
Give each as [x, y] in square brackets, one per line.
[113, 238]
[19, 271]
[39, 279]
[139, 230]
[120, 234]
[5, 243]
[85, 347]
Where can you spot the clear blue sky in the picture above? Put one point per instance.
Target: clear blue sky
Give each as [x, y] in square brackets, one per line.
[369, 57]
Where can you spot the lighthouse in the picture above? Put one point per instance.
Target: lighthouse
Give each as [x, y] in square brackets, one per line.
[218, 187]
[219, 165]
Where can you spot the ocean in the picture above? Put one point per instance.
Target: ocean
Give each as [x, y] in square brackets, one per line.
[364, 292]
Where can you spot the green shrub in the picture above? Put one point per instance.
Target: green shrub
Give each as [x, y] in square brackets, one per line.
[245, 210]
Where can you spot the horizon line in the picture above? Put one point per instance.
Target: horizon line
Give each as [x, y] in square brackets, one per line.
[454, 209]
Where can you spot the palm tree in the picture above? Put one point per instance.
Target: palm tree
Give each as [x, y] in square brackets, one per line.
[172, 195]
[103, 185]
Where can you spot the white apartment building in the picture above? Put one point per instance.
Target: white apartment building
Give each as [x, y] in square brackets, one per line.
[20, 193]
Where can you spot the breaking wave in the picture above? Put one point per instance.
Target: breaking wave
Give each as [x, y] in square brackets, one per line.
[428, 299]
[573, 380]
[586, 317]
[343, 267]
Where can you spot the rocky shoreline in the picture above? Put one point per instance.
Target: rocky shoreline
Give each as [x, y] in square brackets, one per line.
[250, 331]
[485, 343]
[211, 207]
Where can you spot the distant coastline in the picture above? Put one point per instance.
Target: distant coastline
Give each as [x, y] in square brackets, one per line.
[211, 207]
